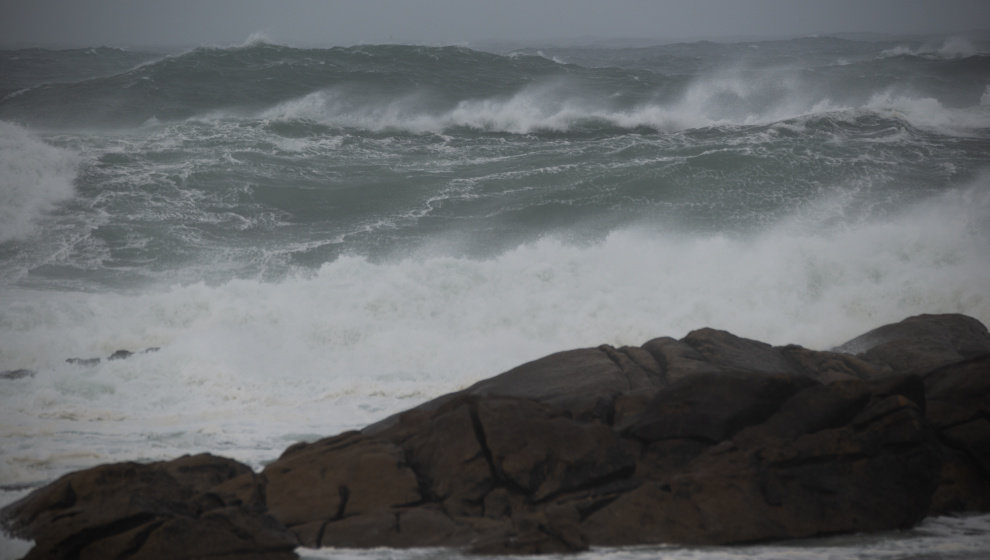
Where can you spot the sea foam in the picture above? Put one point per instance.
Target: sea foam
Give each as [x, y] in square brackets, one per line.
[245, 367]
[953, 47]
[34, 177]
[726, 97]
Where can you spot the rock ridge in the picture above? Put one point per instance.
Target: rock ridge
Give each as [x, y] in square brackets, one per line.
[710, 439]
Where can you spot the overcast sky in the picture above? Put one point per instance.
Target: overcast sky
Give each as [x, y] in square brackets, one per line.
[134, 23]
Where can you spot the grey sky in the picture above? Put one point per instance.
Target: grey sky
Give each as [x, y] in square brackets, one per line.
[343, 22]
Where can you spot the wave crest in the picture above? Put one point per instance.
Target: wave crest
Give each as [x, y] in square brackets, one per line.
[34, 177]
[563, 104]
[950, 48]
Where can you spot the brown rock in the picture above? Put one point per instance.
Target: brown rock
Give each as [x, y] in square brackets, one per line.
[452, 464]
[711, 407]
[832, 366]
[222, 534]
[734, 353]
[347, 475]
[200, 473]
[877, 470]
[247, 489]
[399, 528]
[959, 392]
[921, 344]
[958, 406]
[541, 452]
[583, 382]
[17, 373]
[963, 487]
[554, 530]
[156, 510]
[678, 360]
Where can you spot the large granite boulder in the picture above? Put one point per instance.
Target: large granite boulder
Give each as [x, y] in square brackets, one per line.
[163, 510]
[709, 439]
[830, 458]
[922, 344]
[952, 354]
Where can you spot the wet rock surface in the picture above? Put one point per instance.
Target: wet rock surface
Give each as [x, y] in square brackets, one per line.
[158, 510]
[17, 373]
[82, 362]
[711, 439]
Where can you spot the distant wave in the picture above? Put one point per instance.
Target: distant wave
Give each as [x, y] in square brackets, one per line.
[559, 105]
[950, 48]
[431, 89]
[259, 74]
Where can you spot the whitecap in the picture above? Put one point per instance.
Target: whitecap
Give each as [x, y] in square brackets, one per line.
[34, 177]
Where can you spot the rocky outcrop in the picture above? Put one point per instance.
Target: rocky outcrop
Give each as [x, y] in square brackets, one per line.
[17, 373]
[118, 355]
[84, 362]
[173, 509]
[709, 439]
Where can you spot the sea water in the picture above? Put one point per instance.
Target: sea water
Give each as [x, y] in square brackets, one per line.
[295, 242]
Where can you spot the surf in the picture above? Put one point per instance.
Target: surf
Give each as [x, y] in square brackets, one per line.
[34, 178]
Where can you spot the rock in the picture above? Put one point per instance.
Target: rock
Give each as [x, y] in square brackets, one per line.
[832, 366]
[730, 352]
[963, 486]
[200, 473]
[677, 359]
[959, 393]
[84, 362]
[860, 464]
[555, 530]
[452, 465]
[399, 528]
[472, 456]
[343, 476]
[17, 373]
[712, 439]
[710, 407]
[583, 382]
[148, 511]
[923, 343]
[958, 407]
[538, 450]
[223, 533]
[118, 355]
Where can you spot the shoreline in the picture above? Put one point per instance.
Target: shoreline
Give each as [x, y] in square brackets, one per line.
[715, 439]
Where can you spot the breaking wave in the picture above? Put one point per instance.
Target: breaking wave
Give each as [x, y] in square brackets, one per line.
[34, 177]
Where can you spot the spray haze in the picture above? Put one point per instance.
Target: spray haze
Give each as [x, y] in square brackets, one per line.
[305, 22]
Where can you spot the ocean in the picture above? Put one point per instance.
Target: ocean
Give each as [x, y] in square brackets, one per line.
[294, 242]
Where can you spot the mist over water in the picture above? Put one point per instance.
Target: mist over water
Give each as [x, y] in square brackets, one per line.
[316, 238]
